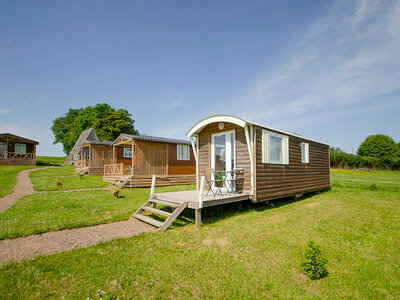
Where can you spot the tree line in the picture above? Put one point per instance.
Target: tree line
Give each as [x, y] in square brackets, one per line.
[375, 152]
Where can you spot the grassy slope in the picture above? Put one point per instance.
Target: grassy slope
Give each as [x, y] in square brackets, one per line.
[50, 160]
[254, 253]
[39, 213]
[8, 177]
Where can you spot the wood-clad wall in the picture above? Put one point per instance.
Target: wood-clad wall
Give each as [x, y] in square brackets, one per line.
[119, 153]
[180, 167]
[100, 155]
[242, 154]
[275, 181]
[150, 158]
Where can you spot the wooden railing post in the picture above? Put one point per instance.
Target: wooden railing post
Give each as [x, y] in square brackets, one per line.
[153, 184]
[201, 192]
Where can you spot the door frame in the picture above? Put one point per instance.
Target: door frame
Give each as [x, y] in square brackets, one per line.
[227, 142]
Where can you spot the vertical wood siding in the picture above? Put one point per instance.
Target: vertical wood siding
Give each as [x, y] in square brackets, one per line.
[274, 181]
[150, 158]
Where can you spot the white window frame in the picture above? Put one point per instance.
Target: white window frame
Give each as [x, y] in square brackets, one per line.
[125, 154]
[265, 142]
[305, 153]
[179, 153]
[20, 152]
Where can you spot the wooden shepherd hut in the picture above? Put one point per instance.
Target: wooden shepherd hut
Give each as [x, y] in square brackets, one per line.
[136, 158]
[238, 160]
[17, 150]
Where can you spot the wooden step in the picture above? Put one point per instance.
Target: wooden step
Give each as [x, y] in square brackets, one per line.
[163, 202]
[148, 220]
[157, 211]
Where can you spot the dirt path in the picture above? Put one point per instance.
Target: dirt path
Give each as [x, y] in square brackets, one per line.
[23, 187]
[58, 241]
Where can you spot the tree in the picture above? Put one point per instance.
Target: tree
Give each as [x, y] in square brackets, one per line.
[379, 146]
[108, 123]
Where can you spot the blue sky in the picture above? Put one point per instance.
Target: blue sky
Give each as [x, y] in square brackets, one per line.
[329, 70]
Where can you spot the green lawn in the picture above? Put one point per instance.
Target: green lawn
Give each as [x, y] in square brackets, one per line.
[242, 251]
[50, 160]
[8, 177]
[70, 183]
[46, 180]
[44, 212]
[55, 171]
[385, 176]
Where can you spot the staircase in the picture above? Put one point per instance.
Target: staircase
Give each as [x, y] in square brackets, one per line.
[151, 207]
[120, 182]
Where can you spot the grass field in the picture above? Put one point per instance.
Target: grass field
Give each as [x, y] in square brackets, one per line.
[46, 180]
[244, 250]
[254, 253]
[50, 160]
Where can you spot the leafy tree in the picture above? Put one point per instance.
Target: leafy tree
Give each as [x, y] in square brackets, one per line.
[108, 123]
[379, 146]
[336, 150]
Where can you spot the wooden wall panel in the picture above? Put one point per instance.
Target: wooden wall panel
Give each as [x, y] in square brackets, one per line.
[275, 181]
[180, 167]
[241, 152]
[127, 161]
[100, 156]
[150, 158]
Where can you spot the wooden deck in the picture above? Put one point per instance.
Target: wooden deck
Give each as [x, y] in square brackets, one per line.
[178, 201]
[192, 198]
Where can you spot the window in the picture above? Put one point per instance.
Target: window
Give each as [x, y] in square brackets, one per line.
[127, 152]
[275, 148]
[304, 153]
[183, 152]
[20, 148]
[2, 148]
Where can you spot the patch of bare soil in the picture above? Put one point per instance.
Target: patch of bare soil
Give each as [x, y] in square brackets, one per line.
[58, 241]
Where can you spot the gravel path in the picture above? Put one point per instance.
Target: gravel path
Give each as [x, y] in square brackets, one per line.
[58, 241]
[23, 187]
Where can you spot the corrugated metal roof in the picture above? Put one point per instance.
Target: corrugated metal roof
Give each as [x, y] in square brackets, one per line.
[21, 137]
[105, 143]
[154, 139]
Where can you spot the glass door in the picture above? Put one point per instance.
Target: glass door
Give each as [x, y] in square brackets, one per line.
[223, 159]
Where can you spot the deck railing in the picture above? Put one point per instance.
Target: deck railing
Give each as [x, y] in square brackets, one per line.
[219, 182]
[117, 169]
[83, 163]
[16, 155]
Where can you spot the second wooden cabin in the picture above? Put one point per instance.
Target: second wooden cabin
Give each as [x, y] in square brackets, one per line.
[137, 158]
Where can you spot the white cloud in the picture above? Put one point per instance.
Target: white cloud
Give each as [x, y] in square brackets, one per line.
[350, 56]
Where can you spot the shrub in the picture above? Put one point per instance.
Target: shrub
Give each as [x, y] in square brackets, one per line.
[59, 183]
[116, 192]
[314, 264]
